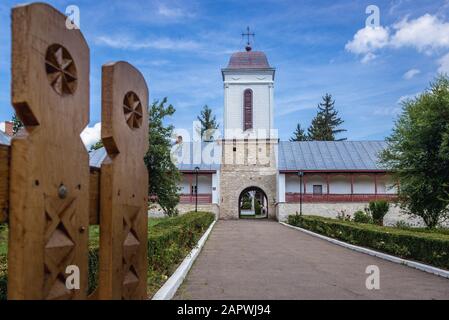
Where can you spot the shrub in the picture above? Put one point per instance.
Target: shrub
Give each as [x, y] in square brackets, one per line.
[169, 241]
[378, 209]
[362, 217]
[341, 215]
[428, 247]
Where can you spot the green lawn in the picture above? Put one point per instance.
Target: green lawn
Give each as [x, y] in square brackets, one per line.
[169, 241]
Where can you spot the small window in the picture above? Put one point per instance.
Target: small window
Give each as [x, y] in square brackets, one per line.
[247, 109]
[194, 188]
[317, 189]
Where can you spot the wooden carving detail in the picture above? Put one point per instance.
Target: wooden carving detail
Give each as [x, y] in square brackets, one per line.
[124, 184]
[60, 239]
[133, 110]
[131, 245]
[49, 170]
[61, 69]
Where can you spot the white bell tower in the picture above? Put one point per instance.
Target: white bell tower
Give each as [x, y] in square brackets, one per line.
[248, 94]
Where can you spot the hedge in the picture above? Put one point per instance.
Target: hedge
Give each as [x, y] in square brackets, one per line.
[428, 247]
[169, 241]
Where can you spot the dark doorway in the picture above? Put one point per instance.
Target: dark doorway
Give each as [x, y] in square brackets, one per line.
[253, 204]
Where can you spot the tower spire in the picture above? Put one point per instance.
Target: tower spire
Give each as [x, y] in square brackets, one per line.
[248, 34]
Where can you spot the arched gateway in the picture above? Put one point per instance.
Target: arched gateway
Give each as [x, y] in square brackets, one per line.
[253, 203]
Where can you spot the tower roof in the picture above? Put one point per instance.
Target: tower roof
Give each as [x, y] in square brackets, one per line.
[248, 60]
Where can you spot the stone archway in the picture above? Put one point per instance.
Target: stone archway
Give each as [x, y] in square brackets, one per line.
[253, 203]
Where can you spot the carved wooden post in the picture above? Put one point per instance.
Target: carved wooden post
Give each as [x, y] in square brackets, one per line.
[124, 184]
[49, 163]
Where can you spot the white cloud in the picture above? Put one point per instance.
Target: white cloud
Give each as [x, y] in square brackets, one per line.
[125, 42]
[426, 33]
[411, 73]
[403, 99]
[165, 11]
[444, 64]
[368, 57]
[387, 111]
[91, 135]
[368, 40]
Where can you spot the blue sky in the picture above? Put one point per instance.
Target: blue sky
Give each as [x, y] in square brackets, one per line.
[316, 46]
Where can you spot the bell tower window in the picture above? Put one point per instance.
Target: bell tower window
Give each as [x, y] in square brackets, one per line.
[247, 109]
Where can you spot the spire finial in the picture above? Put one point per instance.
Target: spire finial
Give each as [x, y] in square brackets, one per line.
[248, 34]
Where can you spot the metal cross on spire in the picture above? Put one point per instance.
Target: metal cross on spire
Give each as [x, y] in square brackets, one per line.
[248, 34]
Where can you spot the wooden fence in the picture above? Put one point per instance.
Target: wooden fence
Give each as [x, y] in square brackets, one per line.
[48, 194]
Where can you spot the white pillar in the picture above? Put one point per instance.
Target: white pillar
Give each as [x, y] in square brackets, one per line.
[216, 187]
[281, 187]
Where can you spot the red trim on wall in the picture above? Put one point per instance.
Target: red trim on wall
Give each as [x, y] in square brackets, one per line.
[334, 171]
[291, 197]
[190, 198]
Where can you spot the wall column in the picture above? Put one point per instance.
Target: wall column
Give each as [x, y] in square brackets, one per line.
[281, 187]
[304, 182]
[352, 185]
[216, 187]
[375, 184]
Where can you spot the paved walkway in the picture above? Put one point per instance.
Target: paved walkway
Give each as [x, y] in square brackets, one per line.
[265, 260]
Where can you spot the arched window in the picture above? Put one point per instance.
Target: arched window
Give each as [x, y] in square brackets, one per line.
[247, 109]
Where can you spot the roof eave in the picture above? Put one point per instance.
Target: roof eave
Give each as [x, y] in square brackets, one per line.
[223, 70]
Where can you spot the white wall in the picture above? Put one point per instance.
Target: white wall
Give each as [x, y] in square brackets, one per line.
[204, 183]
[185, 184]
[341, 184]
[364, 185]
[292, 183]
[216, 187]
[281, 185]
[386, 184]
[261, 83]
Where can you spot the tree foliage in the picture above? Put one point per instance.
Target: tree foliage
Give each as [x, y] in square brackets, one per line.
[208, 124]
[16, 124]
[163, 173]
[326, 124]
[299, 134]
[96, 145]
[418, 154]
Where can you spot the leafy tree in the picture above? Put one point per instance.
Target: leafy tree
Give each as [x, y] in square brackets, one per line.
[16, 124]
[325, 125]
[96, 145]
[208, 123]
[417, 153]
[299, 134]
[163, 173]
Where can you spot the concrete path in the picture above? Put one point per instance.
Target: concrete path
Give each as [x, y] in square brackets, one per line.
[265, 260]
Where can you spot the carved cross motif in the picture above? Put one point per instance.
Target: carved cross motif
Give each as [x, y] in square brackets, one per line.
[61, 70]
[133, 110]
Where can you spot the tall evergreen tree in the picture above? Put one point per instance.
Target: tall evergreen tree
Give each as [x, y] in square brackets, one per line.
[16, 124]
[325, 125]
[164, 175]
[299, 134]
[208, 124]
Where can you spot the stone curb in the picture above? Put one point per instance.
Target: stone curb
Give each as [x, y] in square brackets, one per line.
[168, 290]
[408, 263]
